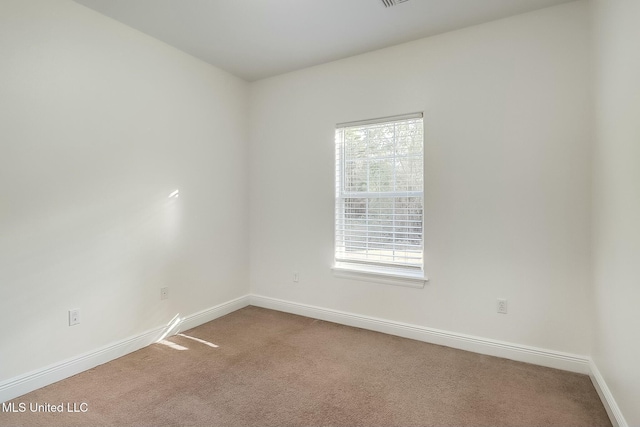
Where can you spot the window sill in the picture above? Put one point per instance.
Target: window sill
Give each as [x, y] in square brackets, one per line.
[384, 276]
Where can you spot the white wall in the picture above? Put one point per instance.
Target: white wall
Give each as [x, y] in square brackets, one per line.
[98, 124]
[508, 134]
[616, 349]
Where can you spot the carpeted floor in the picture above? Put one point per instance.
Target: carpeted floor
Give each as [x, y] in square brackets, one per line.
[277, 369]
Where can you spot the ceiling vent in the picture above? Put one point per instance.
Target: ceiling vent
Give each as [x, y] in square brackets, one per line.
[389, 3]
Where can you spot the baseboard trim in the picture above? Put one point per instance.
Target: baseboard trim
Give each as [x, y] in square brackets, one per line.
[213, 313]
[610, 404]
[26, 383]
[17, 386]
[522, 353]
[33, 380]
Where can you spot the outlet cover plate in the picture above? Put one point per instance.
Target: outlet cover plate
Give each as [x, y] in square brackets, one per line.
[74, 317]
[502, 305]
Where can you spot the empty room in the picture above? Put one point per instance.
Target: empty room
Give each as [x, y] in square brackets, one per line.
[320, 212]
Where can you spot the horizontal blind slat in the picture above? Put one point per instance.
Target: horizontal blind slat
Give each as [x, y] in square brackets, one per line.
[379, 191]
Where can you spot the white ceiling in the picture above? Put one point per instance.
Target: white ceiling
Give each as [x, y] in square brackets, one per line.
[254, 39]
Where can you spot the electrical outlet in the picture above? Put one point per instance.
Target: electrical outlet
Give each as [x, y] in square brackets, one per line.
[296, 277]
[502, 305]
[74, 316]
[164, 293]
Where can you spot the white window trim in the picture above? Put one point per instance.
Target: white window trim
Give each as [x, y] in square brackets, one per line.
[382, 275]
[378, 274]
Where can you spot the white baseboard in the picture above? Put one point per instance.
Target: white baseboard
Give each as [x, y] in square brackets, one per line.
[522, 353]
[610, 404]
[23, 384]
[33, 380]
[212, 313]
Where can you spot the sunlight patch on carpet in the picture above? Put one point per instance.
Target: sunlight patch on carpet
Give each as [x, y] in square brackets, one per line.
[200, 341]
[172, 345]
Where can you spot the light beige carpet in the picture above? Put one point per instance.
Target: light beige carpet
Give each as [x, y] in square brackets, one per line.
[277, 369]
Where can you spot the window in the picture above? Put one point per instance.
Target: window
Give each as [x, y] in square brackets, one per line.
[379, 197]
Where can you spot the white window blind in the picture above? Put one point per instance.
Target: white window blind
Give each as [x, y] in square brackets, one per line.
[379, 193]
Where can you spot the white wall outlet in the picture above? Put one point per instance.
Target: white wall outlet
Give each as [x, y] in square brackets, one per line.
[296, 277]
[502, 305]
[74, 316]
[164, 293]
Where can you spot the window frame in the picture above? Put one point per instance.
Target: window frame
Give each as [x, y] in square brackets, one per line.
[370, 272]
